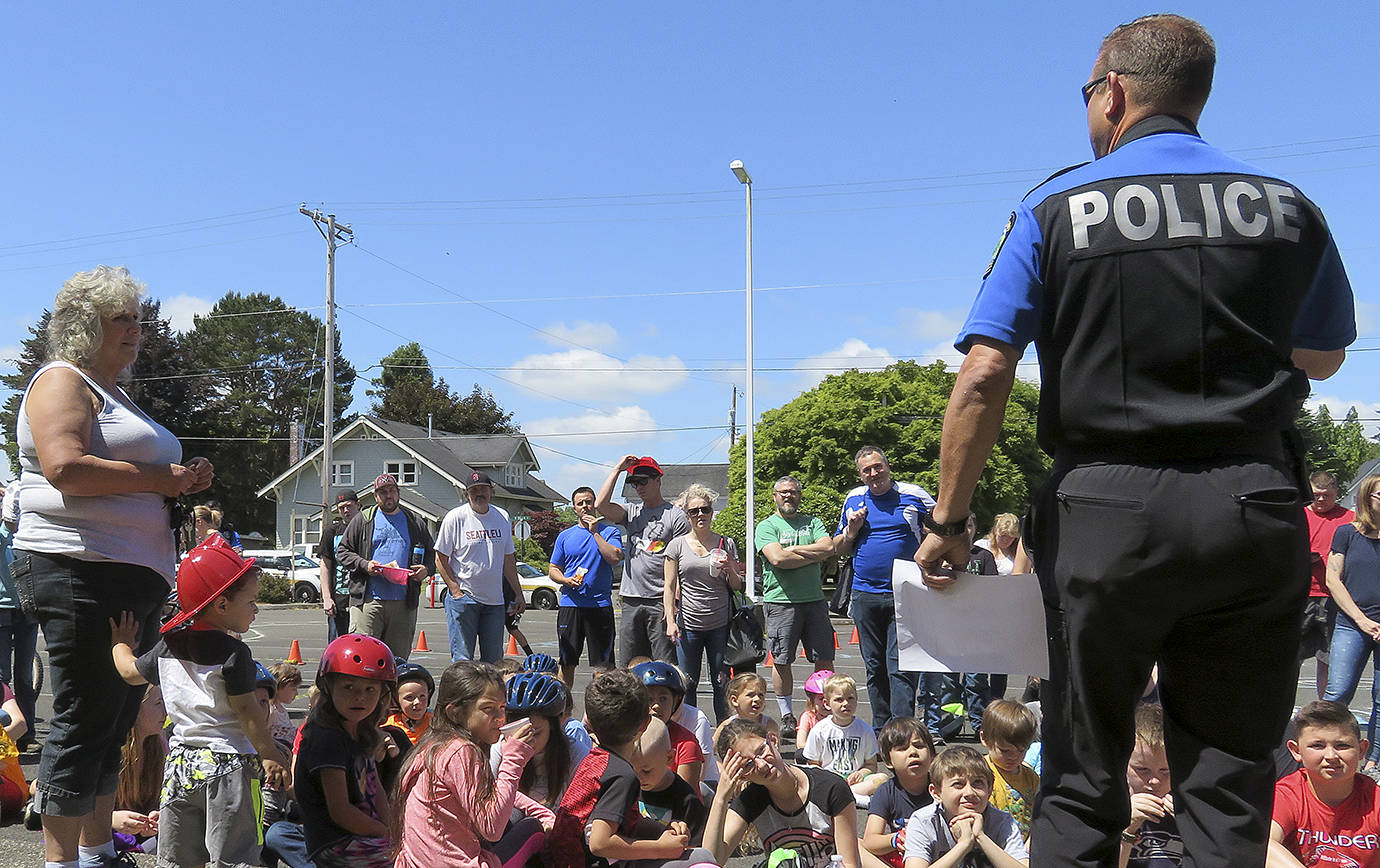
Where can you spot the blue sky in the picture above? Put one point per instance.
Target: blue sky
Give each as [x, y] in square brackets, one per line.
[567, 165]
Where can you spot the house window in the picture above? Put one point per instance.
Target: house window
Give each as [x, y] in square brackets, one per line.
[305, 532]
[343, 473]
[512, 476]
[405, 471]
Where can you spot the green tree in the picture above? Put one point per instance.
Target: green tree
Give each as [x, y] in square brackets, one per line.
[260, 371]
[33, 351]
[1339, 448]
[899, 409]
[406, 390]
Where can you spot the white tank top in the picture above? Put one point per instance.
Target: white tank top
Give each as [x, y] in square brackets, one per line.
[125, 528]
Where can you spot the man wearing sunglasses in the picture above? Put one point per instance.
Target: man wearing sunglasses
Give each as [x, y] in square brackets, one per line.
[650, 525]
[1180, 300]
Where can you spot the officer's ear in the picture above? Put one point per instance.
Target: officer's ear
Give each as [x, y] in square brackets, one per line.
[1114, 97]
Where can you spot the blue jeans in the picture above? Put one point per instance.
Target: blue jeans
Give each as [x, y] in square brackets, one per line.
[694, 646]
[18, 644]
[891, 691]
[972, 690]
[1347, 657]
[474, 626]
[288, 842]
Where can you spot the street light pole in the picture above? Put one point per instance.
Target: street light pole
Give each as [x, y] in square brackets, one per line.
[750, 539]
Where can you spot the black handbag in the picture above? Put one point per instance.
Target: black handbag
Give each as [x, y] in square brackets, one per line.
[747, 635]
[843, 589]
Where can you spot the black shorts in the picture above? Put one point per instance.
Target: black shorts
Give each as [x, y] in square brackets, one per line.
[1319, 615]
[578, 626]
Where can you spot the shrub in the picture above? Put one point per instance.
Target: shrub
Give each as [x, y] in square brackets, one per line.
[274, 589]
[530, 551]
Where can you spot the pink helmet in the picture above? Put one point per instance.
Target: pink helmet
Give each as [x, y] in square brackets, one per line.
[815, 683]
[361, 656]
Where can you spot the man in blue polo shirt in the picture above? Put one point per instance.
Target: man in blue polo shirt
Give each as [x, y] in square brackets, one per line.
[880, 522]
[582, 564]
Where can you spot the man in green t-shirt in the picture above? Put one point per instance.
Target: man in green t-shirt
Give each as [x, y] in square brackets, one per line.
[793, 545]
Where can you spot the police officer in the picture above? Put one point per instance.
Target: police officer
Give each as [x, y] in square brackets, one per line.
[1179, 299]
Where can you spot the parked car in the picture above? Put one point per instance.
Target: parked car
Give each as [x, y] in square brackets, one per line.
[541, 592]
[303, 573]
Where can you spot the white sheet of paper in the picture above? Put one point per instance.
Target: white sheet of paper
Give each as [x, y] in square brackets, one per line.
[978, 624]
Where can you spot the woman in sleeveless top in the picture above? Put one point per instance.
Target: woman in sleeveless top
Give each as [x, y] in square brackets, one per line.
[95, 538]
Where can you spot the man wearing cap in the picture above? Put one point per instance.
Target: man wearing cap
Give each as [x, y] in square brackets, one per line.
[477, 556]
[386, 535]
[650, 525]
[335, 577]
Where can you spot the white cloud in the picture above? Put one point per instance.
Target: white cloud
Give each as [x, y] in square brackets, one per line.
[585, 374]
[180, 309]
[600, 428]
[9, 355]
[1367, 317]
[933, 325]
[852, 353]
[588, 334]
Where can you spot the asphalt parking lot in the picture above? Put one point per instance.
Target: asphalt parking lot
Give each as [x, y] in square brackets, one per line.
[278, 626]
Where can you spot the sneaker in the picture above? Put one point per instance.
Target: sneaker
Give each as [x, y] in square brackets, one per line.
[788, 726]
[32, 821]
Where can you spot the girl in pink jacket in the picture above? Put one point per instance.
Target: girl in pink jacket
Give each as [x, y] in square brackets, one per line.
[449, 801]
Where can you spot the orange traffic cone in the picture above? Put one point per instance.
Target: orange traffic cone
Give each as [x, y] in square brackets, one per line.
[802, 652]
[836, 642]
[854, 639]
[421, 642]
[294, 653]
[771, 661]
[512, 646]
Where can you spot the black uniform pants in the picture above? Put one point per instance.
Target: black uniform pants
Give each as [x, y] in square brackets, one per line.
[1203, 569]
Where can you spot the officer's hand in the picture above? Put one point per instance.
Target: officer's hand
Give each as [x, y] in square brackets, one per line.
[938, 556]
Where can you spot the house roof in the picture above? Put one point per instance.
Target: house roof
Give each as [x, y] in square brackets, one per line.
[677, 477]
[453, 455]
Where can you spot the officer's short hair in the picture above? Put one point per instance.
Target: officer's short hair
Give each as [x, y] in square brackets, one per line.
[576, 493]
[1167, 59]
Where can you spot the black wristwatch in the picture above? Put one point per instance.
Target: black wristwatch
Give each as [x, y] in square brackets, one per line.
[953, 528]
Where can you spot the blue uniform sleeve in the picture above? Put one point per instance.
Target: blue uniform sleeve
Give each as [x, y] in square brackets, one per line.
[1007, 307]
[613, 536]
[1326, 319]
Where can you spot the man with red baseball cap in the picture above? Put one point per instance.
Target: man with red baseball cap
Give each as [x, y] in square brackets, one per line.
[382, 535]
[650, 525]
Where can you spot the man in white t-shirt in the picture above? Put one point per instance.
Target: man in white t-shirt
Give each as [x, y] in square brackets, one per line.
[477, 556]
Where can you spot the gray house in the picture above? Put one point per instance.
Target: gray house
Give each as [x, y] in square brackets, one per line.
[429, 466]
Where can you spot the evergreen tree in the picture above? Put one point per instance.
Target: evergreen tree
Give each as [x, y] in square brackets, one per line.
[33, 353]
[261, 369]
[407, 391]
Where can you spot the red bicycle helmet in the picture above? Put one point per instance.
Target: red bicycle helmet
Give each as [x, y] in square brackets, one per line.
[207, 572]
[361, 656]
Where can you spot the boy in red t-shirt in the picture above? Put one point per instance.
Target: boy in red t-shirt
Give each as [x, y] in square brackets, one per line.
[1325, 813]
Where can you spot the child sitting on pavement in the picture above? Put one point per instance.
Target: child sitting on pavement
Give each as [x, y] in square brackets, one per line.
[908, 750]
[598, 817]
[1008, 729]
[666, 691]
[747, 696]
[962, 827]
[287, 681]
[666, 796]
[1152, 839]
[815, 711]
[220, 741]
[1325, 813]
[842, 743]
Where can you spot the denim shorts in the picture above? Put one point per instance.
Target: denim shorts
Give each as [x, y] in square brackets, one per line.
[93, 708]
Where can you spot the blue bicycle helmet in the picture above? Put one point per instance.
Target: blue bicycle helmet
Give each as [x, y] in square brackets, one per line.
[655, 673]
[408, 671]
[263, 678]
[539, 662]
[535, 693]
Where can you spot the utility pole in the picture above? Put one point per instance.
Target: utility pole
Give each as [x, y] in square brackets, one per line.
[334, 235]
[733, 419]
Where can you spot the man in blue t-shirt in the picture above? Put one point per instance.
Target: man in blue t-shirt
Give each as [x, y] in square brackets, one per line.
[880, 522]
[582, 564]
